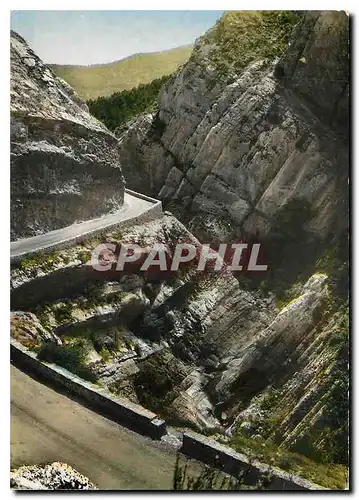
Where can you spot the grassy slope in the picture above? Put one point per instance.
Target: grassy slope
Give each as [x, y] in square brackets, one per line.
[332, 476]
[105, 79]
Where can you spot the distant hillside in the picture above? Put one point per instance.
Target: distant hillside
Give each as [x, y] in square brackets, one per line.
[117, 109]
[105, 79]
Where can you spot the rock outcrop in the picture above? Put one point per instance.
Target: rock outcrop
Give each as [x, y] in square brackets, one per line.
[231, 152]
[198, 318]
[55, 476]
[64, 163]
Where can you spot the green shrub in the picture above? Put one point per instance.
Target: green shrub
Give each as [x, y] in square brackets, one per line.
[93, 294]
[271, 399]
[63, 314]
[84, 256]
[105, 354]
[334, 261]
[70, 357]
[329, 475]
[116, 110]
[42, 313]
[40, 261]
[240, 37]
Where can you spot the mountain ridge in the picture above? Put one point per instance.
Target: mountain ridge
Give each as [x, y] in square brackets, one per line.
[106, 79]
[115, 61]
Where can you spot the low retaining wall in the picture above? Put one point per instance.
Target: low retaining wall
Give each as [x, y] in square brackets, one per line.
[216, 455]
[117, 409]
[194, 445]
[143, 196]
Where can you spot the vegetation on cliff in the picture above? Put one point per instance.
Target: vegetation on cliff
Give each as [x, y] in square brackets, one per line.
[72, 357]
[303, 406]
[240, 37]
[211, 479]
[237, 39]
[157, 382]
[114, 111]
[332, 476]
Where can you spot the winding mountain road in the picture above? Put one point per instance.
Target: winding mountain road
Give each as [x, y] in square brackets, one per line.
[47, 426]
[133, 207]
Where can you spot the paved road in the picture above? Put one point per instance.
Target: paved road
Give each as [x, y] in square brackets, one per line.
[132, 207]
[47, 427]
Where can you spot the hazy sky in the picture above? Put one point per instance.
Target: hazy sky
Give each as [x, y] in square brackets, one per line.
[90, 37]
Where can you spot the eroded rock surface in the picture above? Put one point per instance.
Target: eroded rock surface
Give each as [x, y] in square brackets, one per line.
[64, 163]
[26, 328]
[203, 344]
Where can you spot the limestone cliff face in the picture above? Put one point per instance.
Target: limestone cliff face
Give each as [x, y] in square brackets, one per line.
[64, 163]
[228, 154]
[233, 151]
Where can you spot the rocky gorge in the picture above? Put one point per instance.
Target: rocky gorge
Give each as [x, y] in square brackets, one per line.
[255, 144]
[252, 148]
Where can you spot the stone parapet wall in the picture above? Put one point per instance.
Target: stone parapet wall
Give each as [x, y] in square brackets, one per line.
[118, 409]
[216, 455]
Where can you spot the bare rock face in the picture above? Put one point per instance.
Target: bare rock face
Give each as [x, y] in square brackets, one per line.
[64, 163]
[306, 367]
[269, 352]
[316, 64]
[55, 476]
[233, 152]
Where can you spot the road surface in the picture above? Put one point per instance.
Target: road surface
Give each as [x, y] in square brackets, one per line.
[132, 207]
[47, 426]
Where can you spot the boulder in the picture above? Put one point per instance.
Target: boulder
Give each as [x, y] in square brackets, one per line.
[55, 476]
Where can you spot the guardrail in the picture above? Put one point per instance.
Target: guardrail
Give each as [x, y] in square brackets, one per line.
[143, 196]
[117, 409]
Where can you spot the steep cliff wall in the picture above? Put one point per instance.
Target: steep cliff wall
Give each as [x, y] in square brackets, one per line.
[64, 163]
[252, 139]
[237, 138]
